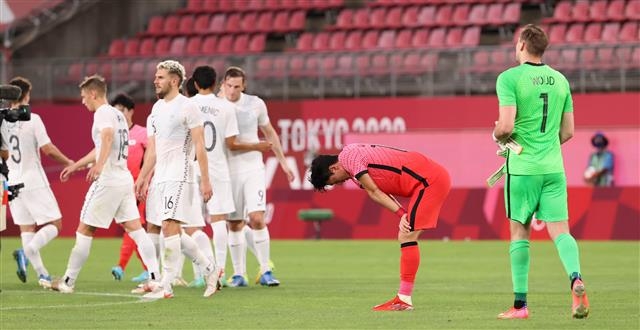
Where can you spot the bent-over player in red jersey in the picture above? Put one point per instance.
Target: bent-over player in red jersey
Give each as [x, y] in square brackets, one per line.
[384, 172]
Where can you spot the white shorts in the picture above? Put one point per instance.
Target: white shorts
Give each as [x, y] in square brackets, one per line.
[249, 193]
[222, 200]
[152, 207]
[179, 201]
[37, 206]
[103, 204]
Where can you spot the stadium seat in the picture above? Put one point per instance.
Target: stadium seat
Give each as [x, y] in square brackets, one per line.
[288, 4]
[225, 44]
[443, 15]
[632, 11]
[337, 39]
[248, 22]
[296, 65]
[561, 13]
[615, 10]
[588, 58]
[271, 5]
[201, 24]
[265, 21]
[297, 20]
[494, 14]
[210, 44]
[232, 23]
[345, 65]
[328, 64]
[194, 45]
[171, 25]
[386, 40]
[460, 14]
[74, 72]
[478, 14]
[264, 67]
[240, 44]
[361, 19]
[226, 5]
[116, 49]
[471, 37]
[132, 47]
[557, 33]
[162, 46]
[363, 63]
[147, 47]
[437, 37]
[580, 11]
[280, 66]
[635, 58]
[394, 17]
[305, 42]
[410, 16]
[454, 37]
[312, 66]
[575, 34]
[598, 11]
[420, 38]
[403, 38]
[511, 14]
[354, 40]
[569, 59]
[344, 20]
[186, 25]
[370, 39]
[377, 18]
[217, 24]
[156, 26]
[178, 46]
[194, 6]
[256, 5]
[321, 41]
[378, 65]
[629, 32]
[257, 43]
[210, 6]
[426, 16]
[593, 33]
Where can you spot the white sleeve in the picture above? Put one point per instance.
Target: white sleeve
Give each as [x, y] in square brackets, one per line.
[40, 132]
[151, 127]
[231, 122]
[4, 133]
[263, 116]
[192, 115]
[102, 119]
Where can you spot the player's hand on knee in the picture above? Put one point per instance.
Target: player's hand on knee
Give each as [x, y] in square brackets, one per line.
[404, 226]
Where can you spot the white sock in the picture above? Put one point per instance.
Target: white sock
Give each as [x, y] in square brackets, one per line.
[263, 245]
[171, 257]
[220, 242]
[191, 250]
[238, 252]
[147, 252]
[155, 239]
[78, 257]
[249, 237]
[26, 237]
[39, 240]
[180, 263]
[204, 244]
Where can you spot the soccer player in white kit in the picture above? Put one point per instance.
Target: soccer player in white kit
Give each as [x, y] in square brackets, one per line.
[35, 204]
[175, 139]
[248, 176]
[111, 194]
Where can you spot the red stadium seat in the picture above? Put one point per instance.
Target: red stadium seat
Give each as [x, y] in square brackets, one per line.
[116, 49]
[132, 47]
[632, 11]
[257, 43]
[344, 20]
[194, 6]
[557, 33]
[329, 63]
[512, 13]
[186, 25]
[305, 42]
[420, 38]
[461, 14]
[256, 5]
[344, 65]
[378, 65]
[171, 25]
[598, 11]
[561, 13]
[370, 39]
[635, 58]
[147, 47]
[437, 37]
[156, 26]
[271, 4]
[297, 20]
[478, 14]
[454, 37]
[361, 19]
[201, 24]
[210, 6]
[74, 73]
[394, 17]
[426, 16]
[321, 41]
[296, 65]
[312, 66]
[264, 67]
[410, 16]
[162, 46]
[580, 11]
[194, 45]
[403, 38]
[265, 21]
[363, 64]
[354, 40]
[178, 45]
[248, 21]
[337, 40]
[377, 18]
[281, 22]
[471, 37]
[569, 59]
[615, 10]
[217, 23]
[588, 58]
[240, 44]
[610, 33]
[495, 13]
[288, 4]
[575, 34]
[443, 15]
[629, 32]
[226, 5]
[387, 38]
[225, 44]
[233, 23]
[593, 33]
[210, 45]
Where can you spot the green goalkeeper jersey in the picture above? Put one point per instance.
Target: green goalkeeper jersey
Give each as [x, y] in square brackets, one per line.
[541, 95]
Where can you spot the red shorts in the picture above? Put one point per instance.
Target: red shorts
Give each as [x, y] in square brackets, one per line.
[427, 197]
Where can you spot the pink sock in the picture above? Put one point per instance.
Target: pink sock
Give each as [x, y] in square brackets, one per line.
[406, 288]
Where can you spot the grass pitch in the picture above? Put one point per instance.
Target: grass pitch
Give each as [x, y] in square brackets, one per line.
[333, 284]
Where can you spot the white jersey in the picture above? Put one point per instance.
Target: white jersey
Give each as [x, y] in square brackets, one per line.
[220, 123]
[251, 112]
[115, 171]
[23, 140]
[171, 126]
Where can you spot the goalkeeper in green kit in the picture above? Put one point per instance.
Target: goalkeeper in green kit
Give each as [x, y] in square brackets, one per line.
[536, 110]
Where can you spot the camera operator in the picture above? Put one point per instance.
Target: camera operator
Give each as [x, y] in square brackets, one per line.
[35, 204]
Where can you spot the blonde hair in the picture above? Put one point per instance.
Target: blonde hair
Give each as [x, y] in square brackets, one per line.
[96, 83]
[173, 67]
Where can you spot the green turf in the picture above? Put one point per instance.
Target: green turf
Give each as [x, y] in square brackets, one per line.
[334, 284]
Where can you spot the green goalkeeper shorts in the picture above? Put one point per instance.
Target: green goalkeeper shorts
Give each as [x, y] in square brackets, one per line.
[544, 195]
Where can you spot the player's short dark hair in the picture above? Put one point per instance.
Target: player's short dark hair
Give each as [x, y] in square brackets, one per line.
[95, 83]
[205, 76]
[190, 87]
[535, 39]
[24, 84]
[123, 100]
[235, 72]
[320, 172]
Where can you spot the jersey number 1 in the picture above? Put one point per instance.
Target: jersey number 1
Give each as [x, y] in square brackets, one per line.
[545, 110]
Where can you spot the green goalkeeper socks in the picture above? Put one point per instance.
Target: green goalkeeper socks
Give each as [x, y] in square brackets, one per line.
[569, 254]
[519, 253]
